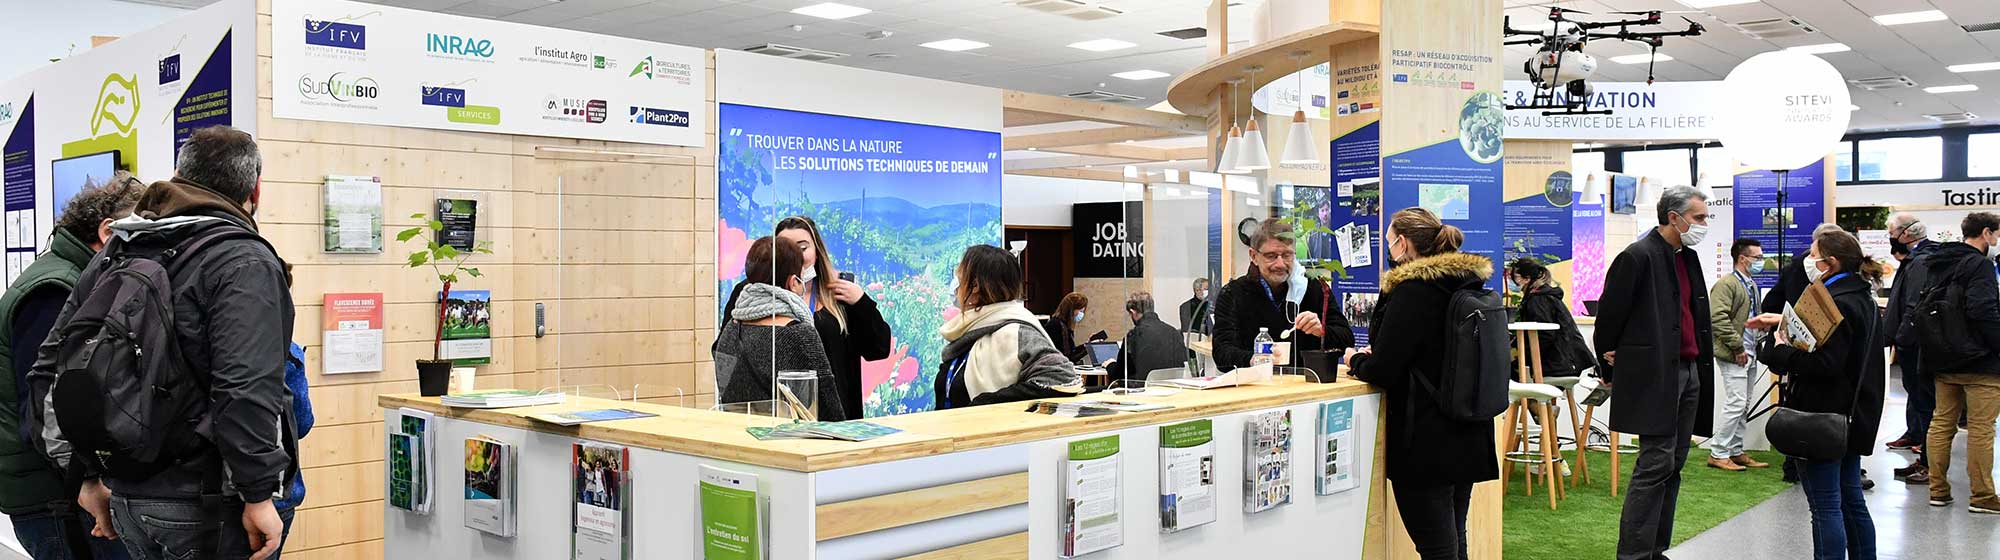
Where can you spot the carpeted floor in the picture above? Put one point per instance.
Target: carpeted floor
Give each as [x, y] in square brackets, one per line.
[1586, 523]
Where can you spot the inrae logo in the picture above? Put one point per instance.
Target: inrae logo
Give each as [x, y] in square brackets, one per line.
[663, 117]
[335, 34]
[339, 88]
[458, 46]
[444, 97]
[170, 69]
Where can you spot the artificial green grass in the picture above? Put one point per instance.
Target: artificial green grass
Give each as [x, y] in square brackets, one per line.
[1586, 523]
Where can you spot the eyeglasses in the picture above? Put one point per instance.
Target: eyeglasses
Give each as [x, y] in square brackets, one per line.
[1276, 255]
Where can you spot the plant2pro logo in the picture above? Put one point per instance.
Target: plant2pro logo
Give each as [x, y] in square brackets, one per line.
[663, 117]
[340, 35]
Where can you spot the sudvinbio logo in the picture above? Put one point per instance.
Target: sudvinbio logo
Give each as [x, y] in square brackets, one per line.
[336, 34]
[663, 117]
[458, 46]
[575, 109]
[339, 87]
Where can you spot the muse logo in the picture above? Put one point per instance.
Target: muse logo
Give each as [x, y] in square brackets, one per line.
[573, 109]
[663, 117]
[458, 46]
[444, 96]
[340, 89]
[335, 34]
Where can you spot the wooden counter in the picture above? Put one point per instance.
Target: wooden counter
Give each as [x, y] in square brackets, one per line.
[721, 435]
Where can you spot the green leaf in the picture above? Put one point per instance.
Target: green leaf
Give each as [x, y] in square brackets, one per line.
[409, 234]
[418, 259]
[451, 278]
[418, 216]
[437, 225]
[444, 252]
[474, 272]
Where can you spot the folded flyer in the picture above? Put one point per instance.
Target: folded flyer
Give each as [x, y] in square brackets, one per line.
[1238, 376]
[852, 430]
[575, 417]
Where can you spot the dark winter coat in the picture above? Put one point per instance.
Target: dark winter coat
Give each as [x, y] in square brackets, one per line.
[1825, 380]
[1961, 263]
[1640, 320]
[1151, 344]
[1564, 353]
[1903, 295]
[1407, 334]
[1243, 306]
[867, 338]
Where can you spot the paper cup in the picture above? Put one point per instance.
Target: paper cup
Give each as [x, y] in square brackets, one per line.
[461, 379]
[1281, 353]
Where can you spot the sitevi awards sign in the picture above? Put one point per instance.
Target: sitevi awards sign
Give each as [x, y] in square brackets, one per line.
[1660, 111]
[1785, 110]
[341, 61]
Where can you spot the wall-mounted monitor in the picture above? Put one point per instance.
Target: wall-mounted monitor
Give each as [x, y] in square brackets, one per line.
[1624, 194]
[71, 175]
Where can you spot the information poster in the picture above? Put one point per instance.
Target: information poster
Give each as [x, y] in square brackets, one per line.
[1090, 490]
[1267, 460]
[731, 520]
[17, 174]
[351, 333]
[353, 214]
[1187, 475]
[1780, 218]
[1443, 118]
[1356, 215]
[460, 217]
[1336, 447]
[600, 491]
[1587, 251]
[468, 327]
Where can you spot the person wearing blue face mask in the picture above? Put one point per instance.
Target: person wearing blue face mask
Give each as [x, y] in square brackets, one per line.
[1062, 326]
[1731, 303]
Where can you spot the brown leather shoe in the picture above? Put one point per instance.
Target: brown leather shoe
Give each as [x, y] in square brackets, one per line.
[1725, 464]
[1746, 461]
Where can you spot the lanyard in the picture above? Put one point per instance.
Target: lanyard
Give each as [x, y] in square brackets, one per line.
[950, 378]
[1268, 295]
[812, 297]
[1836, 278]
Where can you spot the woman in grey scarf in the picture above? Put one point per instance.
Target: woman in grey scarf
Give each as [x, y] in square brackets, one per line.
[770, 331]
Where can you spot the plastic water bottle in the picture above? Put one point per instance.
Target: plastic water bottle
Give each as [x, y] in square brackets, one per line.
[1263, 348]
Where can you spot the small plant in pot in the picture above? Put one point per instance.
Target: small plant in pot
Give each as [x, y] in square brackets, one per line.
[434, 375]
[1303, 218]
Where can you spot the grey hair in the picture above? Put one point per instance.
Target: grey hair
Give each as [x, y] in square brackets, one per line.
[1199, 282]
[1910, 224]
[221, 159]
[1677, 200]
[1827, 227]
[1271, 229]
[1141, 302]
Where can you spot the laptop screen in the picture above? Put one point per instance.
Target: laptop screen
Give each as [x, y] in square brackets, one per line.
[1103, 352]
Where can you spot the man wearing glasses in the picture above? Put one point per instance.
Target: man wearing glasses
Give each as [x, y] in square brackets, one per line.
[1259, 299]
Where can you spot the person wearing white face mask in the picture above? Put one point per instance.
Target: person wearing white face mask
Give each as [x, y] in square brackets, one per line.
[1275, 295]
[1967, 382]
[1660, 361]
[1732, 302]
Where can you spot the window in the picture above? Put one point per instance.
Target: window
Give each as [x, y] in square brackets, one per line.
[1843, 162]
[1670, 167]
[1717, 168]
[1902, 159]
[1982, 155]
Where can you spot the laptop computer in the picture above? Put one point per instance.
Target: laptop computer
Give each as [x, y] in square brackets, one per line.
[1102, 352]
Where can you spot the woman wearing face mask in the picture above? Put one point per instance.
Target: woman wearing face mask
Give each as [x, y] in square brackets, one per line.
[1835, 378]
[1433, 461]
[994, 352]
[849, 323]
[769, 331]
[1565, 354]
[1061, 326]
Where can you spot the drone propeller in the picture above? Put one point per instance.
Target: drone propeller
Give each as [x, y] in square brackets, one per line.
[1692, 26]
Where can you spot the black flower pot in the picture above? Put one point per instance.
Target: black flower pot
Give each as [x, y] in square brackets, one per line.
[433, 377]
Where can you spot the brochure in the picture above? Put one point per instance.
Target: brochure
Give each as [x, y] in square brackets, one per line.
[1089, 503]
[1267, 464]
[351, 333]
[1813, 319]
[851, 430]
[411, 448]
[1238, 376]
[460, 217]
[1336, 447]
[353, 205]
[1075, 409]
[402, 472]
[489, 486]
[468, 327]
[1187, 475]
[575, 417]
[500, 398]
[732, 525]
[600, 490]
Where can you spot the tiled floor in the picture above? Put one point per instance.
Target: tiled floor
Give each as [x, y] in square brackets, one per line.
[1906, 526]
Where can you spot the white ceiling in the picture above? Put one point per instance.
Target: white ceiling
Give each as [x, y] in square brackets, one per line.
[1920, 51]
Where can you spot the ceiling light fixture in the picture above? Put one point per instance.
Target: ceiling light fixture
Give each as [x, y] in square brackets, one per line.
[1232, 142]
[1975, 67]
[1136, 75]
[1911, 17]
[1300, 147]
[1705, 4]
[955, 45]
[1254, 156]
[1102, 45]
[831, 10]
[1641, 58]
[1822, 48]
[1952, 89]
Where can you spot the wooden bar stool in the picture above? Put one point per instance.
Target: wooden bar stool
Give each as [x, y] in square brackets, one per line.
[1532, 397]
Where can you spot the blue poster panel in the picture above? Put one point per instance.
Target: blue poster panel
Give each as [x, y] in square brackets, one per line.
[1780, 214]
[1460, 182]
[1357, 222]
[897, 204]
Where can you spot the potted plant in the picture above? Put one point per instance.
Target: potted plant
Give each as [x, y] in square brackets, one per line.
[434, 374]
[1302, 217]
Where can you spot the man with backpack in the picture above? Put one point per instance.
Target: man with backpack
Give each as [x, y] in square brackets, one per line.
[1659, 361]
[36, 496]
[1905, 228]
[1957, 321]
[182, 324]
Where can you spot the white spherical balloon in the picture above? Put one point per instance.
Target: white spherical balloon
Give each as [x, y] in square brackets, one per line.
[1785, 110]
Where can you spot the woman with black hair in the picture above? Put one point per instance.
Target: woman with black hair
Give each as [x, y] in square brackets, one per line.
[1564, 352]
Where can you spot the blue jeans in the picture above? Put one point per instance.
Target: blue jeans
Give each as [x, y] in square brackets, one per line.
[1840, 522]
[48, 537]
[176, 529]
[1922, 391]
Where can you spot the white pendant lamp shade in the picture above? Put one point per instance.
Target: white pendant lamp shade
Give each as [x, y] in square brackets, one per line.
[1593, 194]
[1299, 143]
[1253, 155]
[1230, 147]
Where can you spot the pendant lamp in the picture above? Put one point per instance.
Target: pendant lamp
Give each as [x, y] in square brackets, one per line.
[1593, 194]
[1253, 155]
[1300, 148]
[1232, 148]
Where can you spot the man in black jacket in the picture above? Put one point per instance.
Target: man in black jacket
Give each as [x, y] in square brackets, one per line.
[234, 325]
[1905, 228]
[1971, 387]
[1660, 361]
[1194, 317]
[1151, 344]
[1257, 300]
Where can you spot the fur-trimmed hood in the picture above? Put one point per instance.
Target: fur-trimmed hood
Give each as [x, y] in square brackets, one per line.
[1439, 267]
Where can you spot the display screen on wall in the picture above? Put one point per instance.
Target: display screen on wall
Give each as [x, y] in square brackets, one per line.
[896, 203]
[1624, 194]
[69, 176]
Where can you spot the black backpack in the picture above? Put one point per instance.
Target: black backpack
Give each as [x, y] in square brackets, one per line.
[1473, 386]
[124, 396]
[1944, 334]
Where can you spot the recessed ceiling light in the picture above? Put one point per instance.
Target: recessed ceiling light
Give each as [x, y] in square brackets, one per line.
[1641, 58]
[955, 45]
[1141, 75]
[1952, 89]
[1910, 17]
[1701, 4]
[1976, 67]
[1101, 45]
[1822, 48]
[831, 10]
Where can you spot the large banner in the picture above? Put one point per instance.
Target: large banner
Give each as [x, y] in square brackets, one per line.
[1654, 112]
[1780, 217]
[340, 61]
[1111, 239]
[1540, 192]
[1588, 261]
[1443, 118]
[127, 105]
[1354, 153]
[897, 204]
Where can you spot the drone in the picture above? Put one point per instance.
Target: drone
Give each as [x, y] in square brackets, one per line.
[1560, 63]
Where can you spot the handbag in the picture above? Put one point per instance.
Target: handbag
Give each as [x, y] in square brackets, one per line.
[1818, 436]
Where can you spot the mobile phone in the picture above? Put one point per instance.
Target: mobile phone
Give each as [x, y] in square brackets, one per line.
[847, 276]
